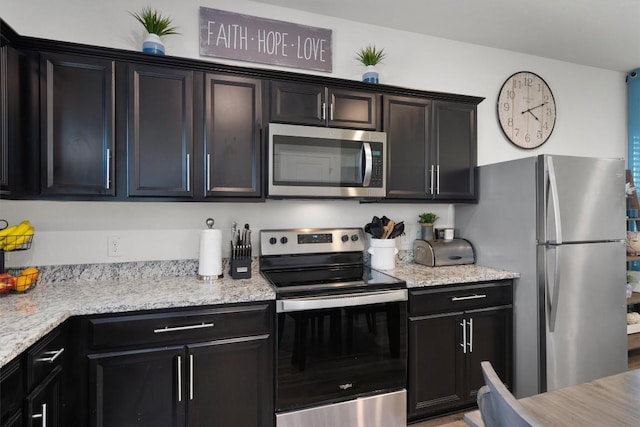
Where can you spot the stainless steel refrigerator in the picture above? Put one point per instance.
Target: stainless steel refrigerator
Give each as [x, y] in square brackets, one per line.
[560, 222]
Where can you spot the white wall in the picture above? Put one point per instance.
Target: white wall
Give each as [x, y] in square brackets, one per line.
[591, 107]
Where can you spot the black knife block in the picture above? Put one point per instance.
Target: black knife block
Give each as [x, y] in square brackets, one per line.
[240, 268]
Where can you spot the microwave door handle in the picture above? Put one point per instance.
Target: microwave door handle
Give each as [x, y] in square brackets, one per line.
[368, 163]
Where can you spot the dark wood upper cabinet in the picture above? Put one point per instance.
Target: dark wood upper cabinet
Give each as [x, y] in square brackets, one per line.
[232, 148]
[4, 129]
[407, 124]
[160, 131]
[432, 149]
[454, 148]
[77, 125]
[318, 105]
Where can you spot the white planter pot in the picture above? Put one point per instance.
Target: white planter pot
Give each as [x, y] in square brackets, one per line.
[153, 44]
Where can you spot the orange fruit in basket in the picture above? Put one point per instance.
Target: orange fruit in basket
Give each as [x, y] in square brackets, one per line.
[25, 279]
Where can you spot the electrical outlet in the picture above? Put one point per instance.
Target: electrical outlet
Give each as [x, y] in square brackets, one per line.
[114, 248]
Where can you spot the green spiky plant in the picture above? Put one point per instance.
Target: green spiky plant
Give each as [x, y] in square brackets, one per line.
[370, 55]
[154, 22]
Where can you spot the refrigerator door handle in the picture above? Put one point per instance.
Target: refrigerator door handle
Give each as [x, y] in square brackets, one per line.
[553, 295]
[553, 190]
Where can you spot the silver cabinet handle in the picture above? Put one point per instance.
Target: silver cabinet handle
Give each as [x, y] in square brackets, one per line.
[54, 355]
[331, 108]
[42, 415]
[464, 336]
[179, 368]
[324, 110]
[438, 179]
[183, 328]
[471, 335]
[208, 172]
[431, 180]
[191, 377]
[188, 172]
[468, 297]
[108, 168]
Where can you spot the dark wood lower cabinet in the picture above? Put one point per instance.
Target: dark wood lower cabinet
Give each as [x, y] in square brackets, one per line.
[451, 330]
[137, 388]
[42, 407]
[208, 367]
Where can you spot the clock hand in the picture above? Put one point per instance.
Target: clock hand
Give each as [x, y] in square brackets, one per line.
[533, 108]
[529, 111]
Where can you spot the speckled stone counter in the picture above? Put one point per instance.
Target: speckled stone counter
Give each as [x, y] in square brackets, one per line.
[25, 318]
[417, 275]
[65, 291]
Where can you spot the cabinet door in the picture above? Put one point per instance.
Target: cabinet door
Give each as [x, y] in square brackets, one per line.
[232, 382]
[160, 131]
[298, 103]
[353, 109]
[141, 388]
[232, 136]
[454, 149]
[406, 121]
[436, 364]
[77, 124]
[12, 390]
[42, 407]
[490, 337]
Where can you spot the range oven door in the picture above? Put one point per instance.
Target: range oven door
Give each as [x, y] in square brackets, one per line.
[332, 349]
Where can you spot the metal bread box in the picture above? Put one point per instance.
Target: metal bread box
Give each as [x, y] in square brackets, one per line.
[436, 253]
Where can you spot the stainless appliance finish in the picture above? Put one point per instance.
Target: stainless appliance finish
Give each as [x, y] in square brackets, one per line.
[435, 253]
[560, 222]
[388, 410]
[341, 331]
[307, 161]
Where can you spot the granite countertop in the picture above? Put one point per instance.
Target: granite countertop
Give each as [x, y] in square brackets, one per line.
[25, 318]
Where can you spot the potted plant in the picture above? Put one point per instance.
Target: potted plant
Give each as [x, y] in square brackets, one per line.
[369, 57]
[157, 26]
[426, 221]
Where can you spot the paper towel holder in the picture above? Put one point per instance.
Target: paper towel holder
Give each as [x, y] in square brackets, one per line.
[208, 278]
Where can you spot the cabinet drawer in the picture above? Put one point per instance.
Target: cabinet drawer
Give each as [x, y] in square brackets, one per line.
[44, 356]
[460, 298]
[180, 327]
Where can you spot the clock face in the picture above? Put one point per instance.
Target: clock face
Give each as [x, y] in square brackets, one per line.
[526, 110]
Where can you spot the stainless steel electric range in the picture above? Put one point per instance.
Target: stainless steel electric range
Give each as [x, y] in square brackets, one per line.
[341, 331]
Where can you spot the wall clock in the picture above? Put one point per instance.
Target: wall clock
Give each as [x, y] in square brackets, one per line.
[526, 110]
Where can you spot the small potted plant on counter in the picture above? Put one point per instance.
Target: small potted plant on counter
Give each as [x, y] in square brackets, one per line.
[157, 26]
[369, 57]
[426, 221]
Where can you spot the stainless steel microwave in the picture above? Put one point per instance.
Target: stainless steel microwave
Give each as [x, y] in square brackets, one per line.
[307, 161]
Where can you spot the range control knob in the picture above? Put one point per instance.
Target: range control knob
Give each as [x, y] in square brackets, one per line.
[354, 237]
[283, 240]
[345, 238]
[273, 240]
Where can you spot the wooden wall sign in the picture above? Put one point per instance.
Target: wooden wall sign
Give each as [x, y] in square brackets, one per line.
[248, 38]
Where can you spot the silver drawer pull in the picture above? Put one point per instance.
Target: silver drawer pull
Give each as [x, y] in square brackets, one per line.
[42, 415]
[476, 296]
[183, 328]
[54, 355]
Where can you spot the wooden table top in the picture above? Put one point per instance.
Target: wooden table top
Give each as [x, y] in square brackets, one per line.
[611, 401]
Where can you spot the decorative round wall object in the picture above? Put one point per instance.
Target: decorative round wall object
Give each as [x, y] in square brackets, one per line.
[526, 110]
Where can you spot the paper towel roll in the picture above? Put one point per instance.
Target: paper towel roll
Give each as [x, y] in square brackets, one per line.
[210, 254]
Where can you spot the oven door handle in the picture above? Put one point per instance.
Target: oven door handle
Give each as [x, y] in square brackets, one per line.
[348, 300]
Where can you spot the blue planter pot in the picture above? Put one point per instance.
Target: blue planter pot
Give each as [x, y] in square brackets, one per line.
[153, 44]
[370, 75]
